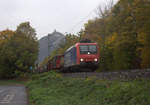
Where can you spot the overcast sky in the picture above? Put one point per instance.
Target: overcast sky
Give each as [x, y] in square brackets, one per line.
[47, 15]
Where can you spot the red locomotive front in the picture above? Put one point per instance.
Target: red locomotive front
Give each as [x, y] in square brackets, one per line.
[82, 55]
[87, 54]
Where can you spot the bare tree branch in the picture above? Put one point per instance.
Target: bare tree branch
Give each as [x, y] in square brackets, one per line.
[104, 11]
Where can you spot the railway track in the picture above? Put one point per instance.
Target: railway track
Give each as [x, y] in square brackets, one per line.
[120, 75]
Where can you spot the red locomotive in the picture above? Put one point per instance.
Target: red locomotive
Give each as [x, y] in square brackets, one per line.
[80, 55]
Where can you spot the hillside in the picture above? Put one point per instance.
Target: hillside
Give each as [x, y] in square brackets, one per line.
[49, 43]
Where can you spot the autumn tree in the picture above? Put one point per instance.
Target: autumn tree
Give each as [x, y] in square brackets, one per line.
[26, 29]
[142, 11]
[27, 45]
[6, 53]
[18, 50]
[122, 32]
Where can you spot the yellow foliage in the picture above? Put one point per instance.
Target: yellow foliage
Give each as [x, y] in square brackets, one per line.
[142, 37]
[5, 35]
[111, 39]
[145, 57]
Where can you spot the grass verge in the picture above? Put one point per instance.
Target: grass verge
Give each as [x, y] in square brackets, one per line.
[12, 82]
[16, 81]
[53, 89]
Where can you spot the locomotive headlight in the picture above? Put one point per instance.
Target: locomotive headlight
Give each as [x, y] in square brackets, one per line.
[81, 60]
[95, 60]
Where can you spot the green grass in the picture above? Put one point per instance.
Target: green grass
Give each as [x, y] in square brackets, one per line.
[16, 81]
[53, 89]
[12, 82]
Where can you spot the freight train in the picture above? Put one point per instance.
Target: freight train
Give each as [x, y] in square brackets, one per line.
[82, 56]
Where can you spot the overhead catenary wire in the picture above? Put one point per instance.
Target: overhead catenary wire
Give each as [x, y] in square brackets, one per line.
[106, 3]
[80, 22]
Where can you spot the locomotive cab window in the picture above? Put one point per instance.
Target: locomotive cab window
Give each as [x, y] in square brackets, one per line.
[88, 49]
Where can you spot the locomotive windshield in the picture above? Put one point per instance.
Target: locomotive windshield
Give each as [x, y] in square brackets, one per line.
[88, 49]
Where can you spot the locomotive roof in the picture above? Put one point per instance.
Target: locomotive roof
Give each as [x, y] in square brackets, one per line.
[80, 44]
[86, 44]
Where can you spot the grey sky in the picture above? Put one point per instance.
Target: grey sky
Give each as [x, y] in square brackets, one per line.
[47, 15]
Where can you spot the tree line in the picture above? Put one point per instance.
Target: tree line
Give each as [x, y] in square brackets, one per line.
[18, 50]
[123, 34]
[121, 30]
